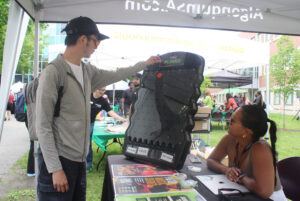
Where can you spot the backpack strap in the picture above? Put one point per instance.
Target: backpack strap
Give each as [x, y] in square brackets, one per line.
[62, 84]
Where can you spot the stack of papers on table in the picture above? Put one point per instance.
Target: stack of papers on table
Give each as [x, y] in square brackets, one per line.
[117, 129]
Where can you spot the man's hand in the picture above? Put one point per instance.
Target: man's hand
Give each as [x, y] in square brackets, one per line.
[153, 60]
[60, 182]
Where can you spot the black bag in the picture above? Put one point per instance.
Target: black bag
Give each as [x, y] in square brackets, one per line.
[20, 114]
[162, 119]
[238, 195]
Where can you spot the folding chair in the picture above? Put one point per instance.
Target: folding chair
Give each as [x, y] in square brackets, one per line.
[218, 117]
[289, 174]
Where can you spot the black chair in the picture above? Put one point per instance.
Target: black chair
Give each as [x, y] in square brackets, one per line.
[289, 174]
[218, 117]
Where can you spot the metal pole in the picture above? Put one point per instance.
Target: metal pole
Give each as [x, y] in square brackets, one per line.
[267, 94]
[35, 73]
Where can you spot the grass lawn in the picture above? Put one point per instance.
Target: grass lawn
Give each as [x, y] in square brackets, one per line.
[287, 146]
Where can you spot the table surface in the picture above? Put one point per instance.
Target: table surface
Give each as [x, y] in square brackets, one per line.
[100, 137]
[108, 192]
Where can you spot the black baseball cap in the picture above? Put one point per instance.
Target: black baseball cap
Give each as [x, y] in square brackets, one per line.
[83, 26]
[138, 75]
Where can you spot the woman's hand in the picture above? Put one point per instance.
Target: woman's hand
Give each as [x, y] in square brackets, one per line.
[233, 173]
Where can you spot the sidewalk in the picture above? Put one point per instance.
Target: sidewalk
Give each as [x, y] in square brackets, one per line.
[13, 146]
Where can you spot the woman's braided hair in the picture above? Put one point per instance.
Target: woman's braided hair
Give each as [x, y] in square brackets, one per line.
[255, 118]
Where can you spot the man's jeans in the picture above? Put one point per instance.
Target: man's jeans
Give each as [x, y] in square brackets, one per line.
[76, 176]
[89, 157]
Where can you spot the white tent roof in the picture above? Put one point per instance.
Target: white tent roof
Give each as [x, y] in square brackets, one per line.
[121, 85]
[274, 16]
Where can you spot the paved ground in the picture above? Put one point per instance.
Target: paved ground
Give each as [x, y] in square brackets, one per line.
[14, 145]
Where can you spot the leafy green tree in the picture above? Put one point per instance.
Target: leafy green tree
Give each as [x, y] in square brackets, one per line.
[205, 84]
[25, 63]
[4, 7]
[285, 69]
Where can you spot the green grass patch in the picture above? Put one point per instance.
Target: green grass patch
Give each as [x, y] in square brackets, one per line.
[95, 178]
[28, 195]
[290, 123]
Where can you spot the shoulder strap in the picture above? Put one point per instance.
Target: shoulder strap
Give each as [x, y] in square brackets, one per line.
[62, 83]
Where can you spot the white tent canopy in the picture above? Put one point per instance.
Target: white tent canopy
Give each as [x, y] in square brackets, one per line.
[121, 85]
[275, 16]
[270, 16]
[15, 88]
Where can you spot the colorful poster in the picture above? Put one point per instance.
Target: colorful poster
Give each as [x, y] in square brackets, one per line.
[154, 184]
[139, 170]
[192, 195]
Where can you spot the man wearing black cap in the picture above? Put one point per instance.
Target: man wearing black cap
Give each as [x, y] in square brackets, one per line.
[64, 139]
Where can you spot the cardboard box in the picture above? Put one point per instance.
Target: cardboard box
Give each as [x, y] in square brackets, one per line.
[204, 109]
[202, 125]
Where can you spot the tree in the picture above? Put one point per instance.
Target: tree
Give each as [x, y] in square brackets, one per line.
[205, 84]
[27, 53]
[285, 69]
[4, 7]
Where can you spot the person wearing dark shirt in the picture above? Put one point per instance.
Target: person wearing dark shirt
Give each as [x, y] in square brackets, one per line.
[98, 103]
[259, 100]
[136, 81]
[127, 99]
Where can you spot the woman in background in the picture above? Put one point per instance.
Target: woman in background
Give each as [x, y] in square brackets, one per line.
[252, 161]
[231, 103]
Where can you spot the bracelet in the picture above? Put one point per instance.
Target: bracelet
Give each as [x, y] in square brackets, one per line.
[241, 175]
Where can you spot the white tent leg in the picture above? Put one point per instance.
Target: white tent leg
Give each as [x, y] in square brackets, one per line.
[35, 73]
[15, 34]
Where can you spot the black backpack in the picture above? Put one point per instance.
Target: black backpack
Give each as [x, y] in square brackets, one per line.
[20, 113]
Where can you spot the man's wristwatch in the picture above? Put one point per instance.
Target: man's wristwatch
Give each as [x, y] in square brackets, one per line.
[241, 175]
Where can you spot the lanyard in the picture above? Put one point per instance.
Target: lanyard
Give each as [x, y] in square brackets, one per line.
[236, 162]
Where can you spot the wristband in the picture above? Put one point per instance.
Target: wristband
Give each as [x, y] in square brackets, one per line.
[241, 175]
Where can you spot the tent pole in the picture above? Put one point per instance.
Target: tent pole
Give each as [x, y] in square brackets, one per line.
[267, 94]
[35, 73]
[14, 37]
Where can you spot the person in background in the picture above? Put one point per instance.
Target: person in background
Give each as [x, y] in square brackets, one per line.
[252, 161]
[64, 139]
[244, 100]
[259, 100]
[136, 82]
[237, 100]
[208, 101]
[127, 99]
[98, 103]
[9, 108]
[231, 104]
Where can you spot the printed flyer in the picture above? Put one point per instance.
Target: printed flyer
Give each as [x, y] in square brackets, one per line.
[154, 184]
[139, 170]
[191, 195]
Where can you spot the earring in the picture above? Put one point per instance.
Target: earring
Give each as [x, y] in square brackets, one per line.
[244, 136]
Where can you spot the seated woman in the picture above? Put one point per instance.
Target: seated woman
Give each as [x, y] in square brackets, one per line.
[252, 161]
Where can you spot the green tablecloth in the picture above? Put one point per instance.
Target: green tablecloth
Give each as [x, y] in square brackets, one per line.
[100, 137]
